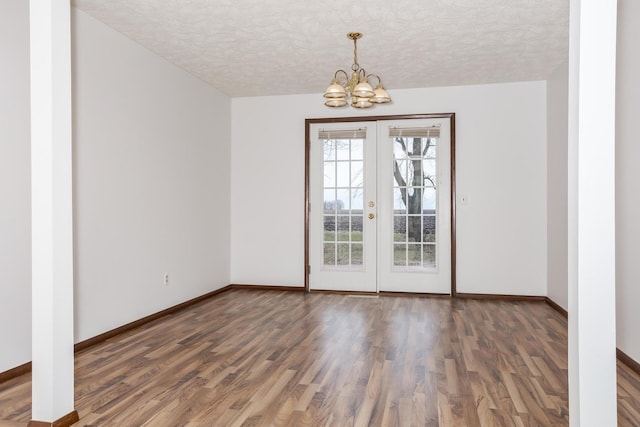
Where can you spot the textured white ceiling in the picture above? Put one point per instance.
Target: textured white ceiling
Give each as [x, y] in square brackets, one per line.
[274, 47]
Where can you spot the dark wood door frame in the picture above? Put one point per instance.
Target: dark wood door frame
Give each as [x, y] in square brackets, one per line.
[307, 148]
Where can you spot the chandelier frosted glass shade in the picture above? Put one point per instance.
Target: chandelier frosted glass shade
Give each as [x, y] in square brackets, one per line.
[335, 90]
[357, 102]
[335, 102]
[363, 90]
[380, 96]
[357, 89]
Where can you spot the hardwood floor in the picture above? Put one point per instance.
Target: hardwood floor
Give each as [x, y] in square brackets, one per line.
[259, 358]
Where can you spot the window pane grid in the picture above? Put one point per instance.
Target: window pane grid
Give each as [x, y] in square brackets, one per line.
[343, 202]
[415, 202]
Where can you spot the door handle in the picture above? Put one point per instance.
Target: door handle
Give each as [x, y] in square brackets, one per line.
[371, 216]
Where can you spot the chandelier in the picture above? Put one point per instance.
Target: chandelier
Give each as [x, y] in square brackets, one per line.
[357, 88]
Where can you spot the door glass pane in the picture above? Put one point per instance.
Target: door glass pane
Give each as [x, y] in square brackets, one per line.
[400, 172]
[357, 149]
[431, 151]
[329, 254]
[343, 147]
[343, 203]
[400, 255]
[429, 200]
[400, 201]
[429, 147]
[330, 204]
[399, 228]
[343, 176]
[429, 256]
[329, 148]
[414, 202]
[414, 227]
[329, 228]
[329, 174]
[342, 227]
[429, 228]
[357, 199]
[343, 254]
[429, 169]
[357, 174]
[356, 253]
[356, 228]
[414, 255]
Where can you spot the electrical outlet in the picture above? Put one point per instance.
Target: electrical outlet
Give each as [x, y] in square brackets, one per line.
[166, 278]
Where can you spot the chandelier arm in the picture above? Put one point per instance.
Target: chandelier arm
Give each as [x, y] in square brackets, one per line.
[346, 77]
[374, 75]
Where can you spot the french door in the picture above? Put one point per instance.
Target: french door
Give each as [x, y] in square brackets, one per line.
[380, 206]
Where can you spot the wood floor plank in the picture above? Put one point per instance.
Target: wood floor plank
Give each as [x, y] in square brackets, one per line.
[269, 358]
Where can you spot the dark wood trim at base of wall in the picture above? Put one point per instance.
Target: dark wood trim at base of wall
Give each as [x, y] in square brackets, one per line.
[627, 360]
[66, 421]
[413, 294]
[379, 294]
[497, 297]
[268, 287]
[557, 307]
[15, 372]
[336, 292]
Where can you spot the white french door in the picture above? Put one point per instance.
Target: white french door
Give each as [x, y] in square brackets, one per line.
[380, 206]
[342, 236]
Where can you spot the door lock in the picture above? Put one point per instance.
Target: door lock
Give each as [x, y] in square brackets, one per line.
[371, 204]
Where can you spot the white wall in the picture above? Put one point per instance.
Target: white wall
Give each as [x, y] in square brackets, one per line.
[15, 184]
[627, 181]
[151, 181]
[557, 133]
[501, 168]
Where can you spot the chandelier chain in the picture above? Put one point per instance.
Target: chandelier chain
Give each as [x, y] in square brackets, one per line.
[355, 65]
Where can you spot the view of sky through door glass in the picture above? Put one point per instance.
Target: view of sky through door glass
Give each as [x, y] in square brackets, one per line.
[343, 202]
